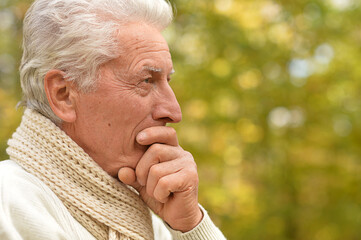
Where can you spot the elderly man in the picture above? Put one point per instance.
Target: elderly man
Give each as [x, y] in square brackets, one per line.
[93, 155]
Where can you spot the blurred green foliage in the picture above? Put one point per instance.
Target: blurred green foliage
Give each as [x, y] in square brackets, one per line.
[270, 92]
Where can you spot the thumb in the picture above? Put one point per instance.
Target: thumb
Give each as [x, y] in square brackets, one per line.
[127, 176]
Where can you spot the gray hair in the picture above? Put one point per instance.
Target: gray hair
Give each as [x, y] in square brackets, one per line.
[77, 37]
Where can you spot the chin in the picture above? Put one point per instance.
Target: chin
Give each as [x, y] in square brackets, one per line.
[112, 171]
[129, 161]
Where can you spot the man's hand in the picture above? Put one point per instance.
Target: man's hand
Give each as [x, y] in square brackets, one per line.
[166, 178]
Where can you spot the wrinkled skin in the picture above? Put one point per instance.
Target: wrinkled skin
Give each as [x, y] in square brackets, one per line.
[122, 126]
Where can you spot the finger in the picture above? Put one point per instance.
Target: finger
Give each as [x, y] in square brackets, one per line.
[155, 154]
[158, 134]
[172, 177]
[160, 170]
[127, 176]
[169, 184]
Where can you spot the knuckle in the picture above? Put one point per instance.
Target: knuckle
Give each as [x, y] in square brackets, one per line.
[193, 176]
[172, 131]
[195, 167]
[163, 183]
[188, 158]
[156, 147]
[172, 135]
[155, 171]
[188, 155]
[192, 173]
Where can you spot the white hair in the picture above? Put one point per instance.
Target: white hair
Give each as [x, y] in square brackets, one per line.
[77, 37]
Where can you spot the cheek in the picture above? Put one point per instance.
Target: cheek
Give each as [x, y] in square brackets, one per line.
[124, 120]
[118, 118]
[135, 109]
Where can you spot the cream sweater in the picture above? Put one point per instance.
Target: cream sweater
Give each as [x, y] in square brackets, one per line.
[29, 210]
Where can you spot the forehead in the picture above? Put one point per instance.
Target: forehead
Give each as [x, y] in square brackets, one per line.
[139, 42]
[139, 31]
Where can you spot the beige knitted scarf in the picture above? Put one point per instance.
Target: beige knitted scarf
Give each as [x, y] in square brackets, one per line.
[105, 207]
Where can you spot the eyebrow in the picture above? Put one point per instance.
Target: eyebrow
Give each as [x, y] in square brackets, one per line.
[157, 70]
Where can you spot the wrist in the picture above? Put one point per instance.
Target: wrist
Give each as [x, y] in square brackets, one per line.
[188, 224]
[204, 230]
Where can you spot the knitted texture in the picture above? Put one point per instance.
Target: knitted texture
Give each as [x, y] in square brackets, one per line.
[104, 206]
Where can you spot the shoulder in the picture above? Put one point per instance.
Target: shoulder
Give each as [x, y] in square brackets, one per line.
[20, 189]
[16, 185]
[11, 174]
[28, 208]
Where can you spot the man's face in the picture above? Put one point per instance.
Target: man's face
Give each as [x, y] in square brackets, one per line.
[133, 93]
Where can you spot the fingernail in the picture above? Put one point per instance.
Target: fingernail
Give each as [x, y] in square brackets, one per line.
[141, 136]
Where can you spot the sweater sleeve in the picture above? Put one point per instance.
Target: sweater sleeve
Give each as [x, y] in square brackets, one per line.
[205, 230]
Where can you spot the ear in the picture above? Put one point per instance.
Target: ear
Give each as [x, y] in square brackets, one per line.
[61, 95]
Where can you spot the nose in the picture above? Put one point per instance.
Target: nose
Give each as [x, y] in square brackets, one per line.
[167, 108]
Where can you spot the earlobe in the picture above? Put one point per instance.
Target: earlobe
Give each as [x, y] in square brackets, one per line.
[61, 95]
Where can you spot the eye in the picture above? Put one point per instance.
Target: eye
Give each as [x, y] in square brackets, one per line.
[145, 82]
